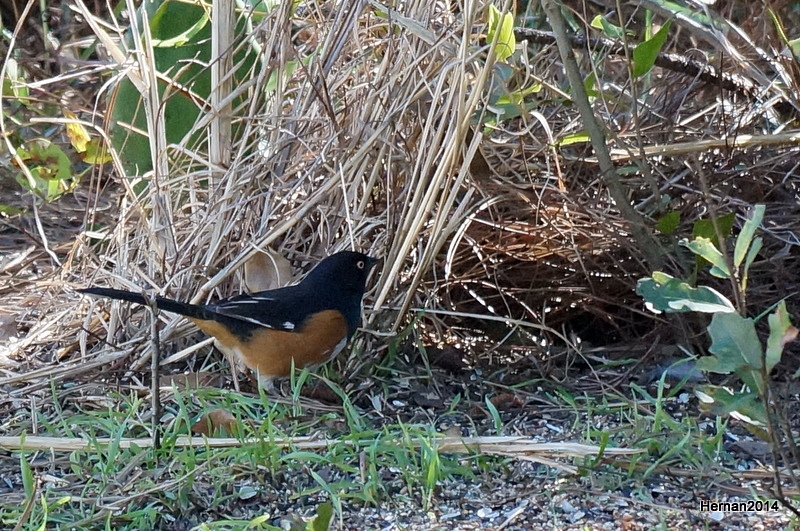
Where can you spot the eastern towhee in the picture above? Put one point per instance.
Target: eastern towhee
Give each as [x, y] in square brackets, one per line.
[309, 322]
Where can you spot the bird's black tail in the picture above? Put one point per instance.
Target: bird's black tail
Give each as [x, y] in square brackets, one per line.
[169, 305]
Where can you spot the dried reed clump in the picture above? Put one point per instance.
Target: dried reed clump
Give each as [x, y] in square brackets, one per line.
[349, 150]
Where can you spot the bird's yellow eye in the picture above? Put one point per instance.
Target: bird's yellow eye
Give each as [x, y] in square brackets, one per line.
[360, 264]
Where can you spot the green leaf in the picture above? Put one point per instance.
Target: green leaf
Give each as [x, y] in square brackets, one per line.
[705, 227]
[734, 342]
[322, 522]
[664, 293]
[613, 31]
[751, 256]
[163, 27]
[781, 332]
[28, 481]
[581, 137]
[501, 33]
[690, 13]
[50, 167]
[9, 210]
[517, 97]
[645, 54]
[590, 85]
[498, 422]
[51, 157]
[181, 59]
[508, 111]
[724, 402]
[96, 152]
[704, 248]
[746, 236]
[14, 85]
[669, 222]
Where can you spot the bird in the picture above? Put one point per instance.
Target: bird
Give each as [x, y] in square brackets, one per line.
[303, 325]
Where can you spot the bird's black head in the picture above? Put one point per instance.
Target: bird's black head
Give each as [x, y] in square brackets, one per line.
[345, 271]
[339, 282]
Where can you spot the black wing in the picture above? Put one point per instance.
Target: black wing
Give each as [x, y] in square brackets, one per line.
[281, 309]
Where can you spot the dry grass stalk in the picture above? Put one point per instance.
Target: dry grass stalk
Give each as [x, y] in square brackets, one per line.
[511, 446]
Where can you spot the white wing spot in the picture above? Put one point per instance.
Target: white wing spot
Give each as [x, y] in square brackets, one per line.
[253, 320]
[288, 325]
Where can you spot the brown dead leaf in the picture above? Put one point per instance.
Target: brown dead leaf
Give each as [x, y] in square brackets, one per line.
[267, 270]
[219, 422]
[505, 401]
[789, 336]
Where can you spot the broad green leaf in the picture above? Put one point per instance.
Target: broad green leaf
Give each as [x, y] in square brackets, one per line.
[47, 158]
[322, 521]
[517, 97]
[705, 227]
[183, 35]
[664, 293]
[704, 248]
[722, 402]
[781, 332]
[506, 105]
[49, 166]
[794, 46]
[691, 13]
[645, 54]
[734, 341]
[96, 152]
[163, 25]
[669, 222]
[746, 236]
[501, 33]
[508, 111]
